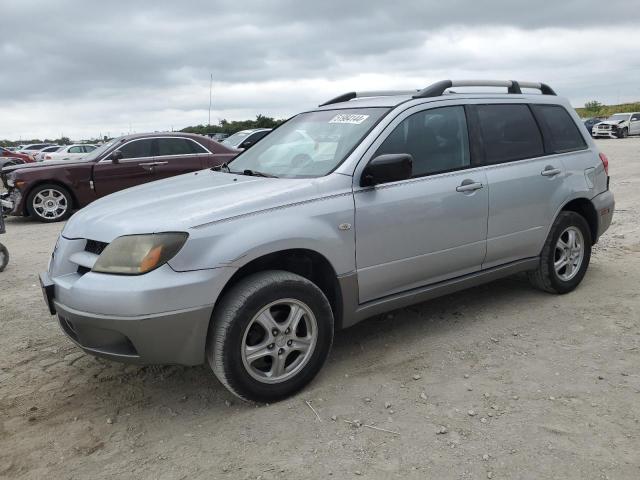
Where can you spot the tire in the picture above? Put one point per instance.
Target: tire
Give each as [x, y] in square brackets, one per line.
[237, 331]
[564, 280]
[49, 203]
[624, 134]
[4, 257]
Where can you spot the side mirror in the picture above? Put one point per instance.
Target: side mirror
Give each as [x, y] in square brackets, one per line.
[387, 168]
[116, 156]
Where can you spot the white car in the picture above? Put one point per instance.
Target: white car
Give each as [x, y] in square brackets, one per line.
[69, 152]
[33, 148]
[618, 125]
[39, 156]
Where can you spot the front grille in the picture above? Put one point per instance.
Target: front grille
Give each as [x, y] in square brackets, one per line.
[95, 247]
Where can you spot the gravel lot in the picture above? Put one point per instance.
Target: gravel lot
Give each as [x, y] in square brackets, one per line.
[500, 381]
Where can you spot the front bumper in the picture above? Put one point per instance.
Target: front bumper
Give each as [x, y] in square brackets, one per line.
[605, 133]
[604, 204]
[161, 317]
[176, 337]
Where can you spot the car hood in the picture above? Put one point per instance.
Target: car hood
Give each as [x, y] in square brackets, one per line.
[43, 165]
[611, 122]
[183, 202]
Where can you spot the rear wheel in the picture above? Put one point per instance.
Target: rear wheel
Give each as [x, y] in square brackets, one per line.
[271, 334]
[49, 203]
[565, 256]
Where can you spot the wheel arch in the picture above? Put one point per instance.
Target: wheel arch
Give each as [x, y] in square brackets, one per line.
[307, 263]
[584, 207]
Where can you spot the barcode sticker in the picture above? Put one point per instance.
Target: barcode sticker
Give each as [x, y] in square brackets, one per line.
[353, 118]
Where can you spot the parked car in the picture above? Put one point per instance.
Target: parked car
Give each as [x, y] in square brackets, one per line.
[6, 153]
[33, 149]
[70, 152]
[589, 123]
[40, 156]
[245, 138]
[48, 191]
[618, 125]
[252, 268]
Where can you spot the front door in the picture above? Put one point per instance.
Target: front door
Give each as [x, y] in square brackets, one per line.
[431, 227]
[133, 169]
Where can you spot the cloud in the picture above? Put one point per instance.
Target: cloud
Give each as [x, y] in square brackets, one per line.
[84, 68]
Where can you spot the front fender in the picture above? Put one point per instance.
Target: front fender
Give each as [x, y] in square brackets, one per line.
[324, 225]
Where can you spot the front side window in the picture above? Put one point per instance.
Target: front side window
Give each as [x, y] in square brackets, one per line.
[311, 144]
[561, 134]
[509, 132]
[437, 139]
[137, 149]
[75, 150]
[89, 148]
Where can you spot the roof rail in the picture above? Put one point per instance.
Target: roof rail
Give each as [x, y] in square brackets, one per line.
[345, 97]
[438, 88]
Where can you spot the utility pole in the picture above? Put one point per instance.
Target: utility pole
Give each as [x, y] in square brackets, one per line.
[210, 98]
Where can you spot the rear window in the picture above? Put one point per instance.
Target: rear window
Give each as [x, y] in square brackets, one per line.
[561, 132]
[509, 132]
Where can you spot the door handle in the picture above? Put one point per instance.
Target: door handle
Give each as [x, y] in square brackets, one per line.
[152, 164]
[550, 172]
[469, 187]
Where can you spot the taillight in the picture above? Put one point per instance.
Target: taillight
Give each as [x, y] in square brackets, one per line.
[605, 163]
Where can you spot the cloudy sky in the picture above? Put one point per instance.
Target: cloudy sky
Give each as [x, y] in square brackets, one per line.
[83, 68]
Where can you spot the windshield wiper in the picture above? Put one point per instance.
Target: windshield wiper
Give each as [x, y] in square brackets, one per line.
[256, 173]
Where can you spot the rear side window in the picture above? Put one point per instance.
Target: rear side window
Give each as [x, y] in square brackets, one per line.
[75, 150]
[437, 139]
[561, 132]
[178, 146]
[509, 132]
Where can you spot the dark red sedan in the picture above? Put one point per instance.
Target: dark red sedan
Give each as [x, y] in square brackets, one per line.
[49, 191]
[4, 153]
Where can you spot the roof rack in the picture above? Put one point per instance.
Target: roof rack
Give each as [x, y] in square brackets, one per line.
[438, 88]
[345, 97]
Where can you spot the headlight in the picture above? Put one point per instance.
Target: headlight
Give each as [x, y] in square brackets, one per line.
[138, 254]
[11, 182]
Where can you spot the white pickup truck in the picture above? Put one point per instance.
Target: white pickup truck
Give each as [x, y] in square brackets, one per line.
[618, 125]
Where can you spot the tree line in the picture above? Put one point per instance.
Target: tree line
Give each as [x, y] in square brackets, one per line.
[225, 126]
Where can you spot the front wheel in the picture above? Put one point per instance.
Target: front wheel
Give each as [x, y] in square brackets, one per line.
[49, 203]
[624, 133]
[565, 255]
[270, 335]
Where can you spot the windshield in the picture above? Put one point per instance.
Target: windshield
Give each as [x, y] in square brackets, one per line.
[619, 116]
[94, 154]
[309, 145]
[236, 139]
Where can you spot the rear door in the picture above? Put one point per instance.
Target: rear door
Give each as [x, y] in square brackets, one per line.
[133, 169]
[526, 177]
[177, 155]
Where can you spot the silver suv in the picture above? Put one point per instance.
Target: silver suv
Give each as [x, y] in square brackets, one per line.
[369, 203]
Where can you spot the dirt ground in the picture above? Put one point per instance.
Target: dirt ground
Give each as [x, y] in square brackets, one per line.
[500, 381]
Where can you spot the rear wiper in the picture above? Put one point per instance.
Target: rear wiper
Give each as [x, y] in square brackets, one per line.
[256, 173]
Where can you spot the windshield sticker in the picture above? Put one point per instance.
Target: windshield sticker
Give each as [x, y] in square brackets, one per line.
[352, 118]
